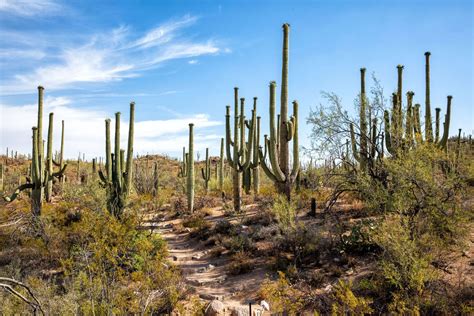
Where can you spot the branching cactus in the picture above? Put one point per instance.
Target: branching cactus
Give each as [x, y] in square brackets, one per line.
[277, 146]
[59, 162]
[395, 139]
[190, 171]
[117, 182]
[239, 152]
[206, 171]
[41, 175]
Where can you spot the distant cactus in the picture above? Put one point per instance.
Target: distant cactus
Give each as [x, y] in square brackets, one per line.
[190, 170]
[277, 147]
[206, 172]
[116, 181]
[41, 175]
[240, 157]
[155, 180]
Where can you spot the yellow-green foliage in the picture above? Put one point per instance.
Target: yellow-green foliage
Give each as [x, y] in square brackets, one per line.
[347, 303]
[103, 266]
[282, 296]
[285, 213]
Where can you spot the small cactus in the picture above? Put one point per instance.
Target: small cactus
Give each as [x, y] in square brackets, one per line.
[206, 172]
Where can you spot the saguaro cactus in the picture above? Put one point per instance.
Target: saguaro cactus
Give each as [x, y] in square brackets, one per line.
[395, 140]
[239, 158]
[117, 182]
[41, 177]
[190, 172]
[206, 171]
[278, 149]
[221, 167]
[183, 168]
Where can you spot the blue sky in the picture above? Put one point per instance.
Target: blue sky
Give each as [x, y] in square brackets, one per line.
[179, 61]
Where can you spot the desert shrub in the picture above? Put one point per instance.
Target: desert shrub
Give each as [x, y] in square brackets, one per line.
[240, 263]
[360, 237]
[238, 243]
[282, 296]
[200, 227]
[285, 214]
[224, 227]
[88, 262]
[347, 303]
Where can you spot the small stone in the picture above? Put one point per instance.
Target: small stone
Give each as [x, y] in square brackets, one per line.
[175, 258]
[350, 272]
[336, 260]
[465, 253]
[215, 308]
[210, 267]
[328, 288]
[168, 226]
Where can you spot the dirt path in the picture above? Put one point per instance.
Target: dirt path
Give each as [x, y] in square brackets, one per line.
[205, 274]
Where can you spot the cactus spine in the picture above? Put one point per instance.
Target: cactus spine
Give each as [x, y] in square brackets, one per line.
[240, 158]
[190, 171]
[278, 148]
[206, 171]
[117, 182]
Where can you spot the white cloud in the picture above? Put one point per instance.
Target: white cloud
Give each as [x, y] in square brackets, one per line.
[106, 57]
[85, 129]
[29, 7]
[192, 62]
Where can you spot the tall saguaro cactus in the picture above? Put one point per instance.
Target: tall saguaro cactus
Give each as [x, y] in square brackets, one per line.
[190, 171]
[41, 175]
[395, 140]
[116, 180]
[221, 166]
[239, 158]
[206, 172]
[278, 149]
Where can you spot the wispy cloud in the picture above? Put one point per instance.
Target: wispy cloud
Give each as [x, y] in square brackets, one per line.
[29, 8]
[85, 129]
[110, 56]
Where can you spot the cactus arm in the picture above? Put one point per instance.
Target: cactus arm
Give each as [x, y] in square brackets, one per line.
[248, 157]
[35, 156]
[444, 140]
[228, 139]
[289, 129]
[265, 168]
[18, 191]
[296, 156]
[242, 146]
[388, 135]
[117, 167]
[428, 126]
[103, 177]
[60, 172]
[438, 110]
[128, 169]
[355, 153]
[108, 150]
[417, 124]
